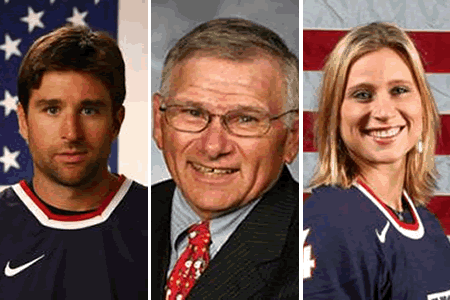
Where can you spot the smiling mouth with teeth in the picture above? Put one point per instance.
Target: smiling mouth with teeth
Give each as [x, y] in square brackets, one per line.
[208, 170]
[389, 133]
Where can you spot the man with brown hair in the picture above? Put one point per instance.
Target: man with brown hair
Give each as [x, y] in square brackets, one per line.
[226, 120]
[75, 230]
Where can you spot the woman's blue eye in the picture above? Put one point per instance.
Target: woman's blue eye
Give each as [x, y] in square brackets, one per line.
[363, 95]
[399, 90]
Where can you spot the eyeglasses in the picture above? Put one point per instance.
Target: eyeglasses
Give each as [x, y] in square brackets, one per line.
[244, 123]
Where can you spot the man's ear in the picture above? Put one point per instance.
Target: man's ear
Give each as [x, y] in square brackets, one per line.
[23, 122]
[119, 116]
[157, 119]
[291, 146]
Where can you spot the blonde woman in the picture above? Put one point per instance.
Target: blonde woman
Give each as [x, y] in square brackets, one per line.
[367, 233]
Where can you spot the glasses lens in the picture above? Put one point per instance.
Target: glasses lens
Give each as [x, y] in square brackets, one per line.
[188, 119]
[247, 123]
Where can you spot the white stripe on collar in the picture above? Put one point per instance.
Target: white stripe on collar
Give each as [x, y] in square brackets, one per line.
[71, 225]
[407, 231]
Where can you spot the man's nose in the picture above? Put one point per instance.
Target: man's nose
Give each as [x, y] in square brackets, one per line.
[71, 127]
[215, 140]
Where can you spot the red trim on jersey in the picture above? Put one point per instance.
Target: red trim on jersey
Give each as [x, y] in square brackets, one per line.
[79, 217]
[413, 226]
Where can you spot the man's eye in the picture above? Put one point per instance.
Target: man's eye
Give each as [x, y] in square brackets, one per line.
[192, 112]
[247, 119]
[244, 119]
[52, 110]
[362, 95]
[88, 111]
[398, 90]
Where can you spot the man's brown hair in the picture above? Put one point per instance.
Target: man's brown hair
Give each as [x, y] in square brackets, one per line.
[74, 48]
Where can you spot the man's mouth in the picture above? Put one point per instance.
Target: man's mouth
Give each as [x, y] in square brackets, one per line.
[384, 133]
[73, 153]
[72, 156]
[208, 170]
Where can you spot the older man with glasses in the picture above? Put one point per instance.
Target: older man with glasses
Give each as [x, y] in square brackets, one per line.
[226, 120]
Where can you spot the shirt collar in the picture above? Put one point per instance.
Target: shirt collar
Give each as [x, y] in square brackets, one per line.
[221, 227]
[182, 217]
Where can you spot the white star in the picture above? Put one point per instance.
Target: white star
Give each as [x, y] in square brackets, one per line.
[10, 47]
[33, 19]
[6, 1]
[9, 159]
[9, 103]
[77, 18]
[96, 1]
[52, 1]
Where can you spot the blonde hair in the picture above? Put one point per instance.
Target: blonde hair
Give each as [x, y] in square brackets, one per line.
[335, 166]
[235, 39]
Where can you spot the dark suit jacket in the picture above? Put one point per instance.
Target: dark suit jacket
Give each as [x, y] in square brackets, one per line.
[260, 260]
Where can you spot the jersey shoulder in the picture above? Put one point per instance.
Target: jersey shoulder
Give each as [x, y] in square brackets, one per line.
[334, 218]
[340, 207]
[138, 190]
[331, 195]
[432, 224]
[9, 199]
[13, 210]
[7, 193]
[136, 198]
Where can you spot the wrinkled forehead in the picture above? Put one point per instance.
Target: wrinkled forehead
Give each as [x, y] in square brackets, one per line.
[259, 77]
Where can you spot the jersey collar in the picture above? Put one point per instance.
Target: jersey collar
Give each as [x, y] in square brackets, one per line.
[413, 231]
[49, 219]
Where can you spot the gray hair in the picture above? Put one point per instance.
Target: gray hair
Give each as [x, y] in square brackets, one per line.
[236, 39]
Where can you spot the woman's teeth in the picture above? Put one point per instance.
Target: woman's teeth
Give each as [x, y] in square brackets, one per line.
[204, 169]
[384, 133]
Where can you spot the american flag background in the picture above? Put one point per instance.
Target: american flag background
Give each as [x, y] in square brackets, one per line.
[21, 22]
[428, 24]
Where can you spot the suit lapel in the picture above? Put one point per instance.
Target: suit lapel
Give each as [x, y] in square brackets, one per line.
[252, 252]
[162, 195]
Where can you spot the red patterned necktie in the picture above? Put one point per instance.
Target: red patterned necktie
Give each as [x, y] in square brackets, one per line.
[191, 264]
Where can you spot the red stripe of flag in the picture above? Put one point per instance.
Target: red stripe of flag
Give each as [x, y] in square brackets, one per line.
[440, 206]
[443, 145]
[308, 133]
[433, 47]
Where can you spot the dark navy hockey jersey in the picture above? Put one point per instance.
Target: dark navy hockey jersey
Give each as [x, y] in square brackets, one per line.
[101, 254]
[355, 247]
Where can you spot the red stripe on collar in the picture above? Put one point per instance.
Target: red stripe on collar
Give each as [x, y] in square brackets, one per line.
[413, 226]
[79, 217]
